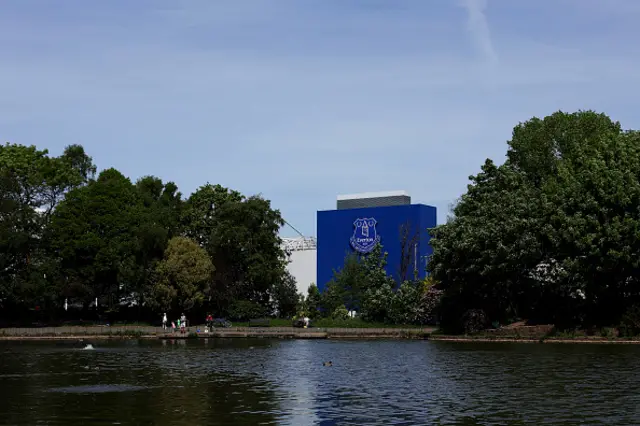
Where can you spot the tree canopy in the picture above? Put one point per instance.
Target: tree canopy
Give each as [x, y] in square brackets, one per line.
[551, 235]
[135, 247]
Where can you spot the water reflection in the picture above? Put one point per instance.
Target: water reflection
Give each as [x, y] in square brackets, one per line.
[246, 382]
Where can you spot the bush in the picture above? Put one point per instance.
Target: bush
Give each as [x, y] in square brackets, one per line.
[429, 305]
[630, 323]
[404, 306]
[474, 320]
[341, 313]
[375, 306]
[244, 310]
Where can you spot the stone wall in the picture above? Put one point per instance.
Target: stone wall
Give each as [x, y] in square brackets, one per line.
[249, 331]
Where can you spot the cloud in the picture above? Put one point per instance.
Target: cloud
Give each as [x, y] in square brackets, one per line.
[478, 26]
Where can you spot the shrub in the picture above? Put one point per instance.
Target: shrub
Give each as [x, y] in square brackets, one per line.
[340, 313]
[474, 320]
[404, 306]
[630, 323]
[244, 310]
[428, 306]
[375, 304]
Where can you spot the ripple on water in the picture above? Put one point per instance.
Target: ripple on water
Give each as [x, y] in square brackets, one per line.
[97, 389]
[244, 382]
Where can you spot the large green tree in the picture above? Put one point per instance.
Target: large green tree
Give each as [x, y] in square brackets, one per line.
[32, 184]
[552, 234]
[182, 278]
[285, 296]
[94, 239]
[241, 236]
[161, 205]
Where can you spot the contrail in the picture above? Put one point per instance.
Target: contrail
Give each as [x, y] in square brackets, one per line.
[479, 28]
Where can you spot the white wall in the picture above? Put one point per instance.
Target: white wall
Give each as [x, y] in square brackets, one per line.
[303, 268]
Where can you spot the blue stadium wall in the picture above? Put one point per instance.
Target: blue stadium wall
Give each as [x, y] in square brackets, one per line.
[340, 232]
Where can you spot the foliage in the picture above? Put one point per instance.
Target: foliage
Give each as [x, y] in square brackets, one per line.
[32, 184]
[359, 284]
[429, 305]
[630, 323]
[182, 278]
[312, 303]
[92, 239]
[474, 320]
[363, 285]
[347, 286]
[340, 313]
[245, 310]
[285, 296]
[241, 236]
[405, 304]
[375, 307]
[67, 235]
[550, 235]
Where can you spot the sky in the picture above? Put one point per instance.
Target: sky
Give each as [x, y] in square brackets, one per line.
[302, 100]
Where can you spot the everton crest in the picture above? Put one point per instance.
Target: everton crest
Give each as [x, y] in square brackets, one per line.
[365, 237]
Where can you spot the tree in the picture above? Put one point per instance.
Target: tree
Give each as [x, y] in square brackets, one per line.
[93, 238]
[43, 181]
[483, 256]
[161, 204]
[340, 313]
[347, 286]
[241, 236]
[33, 184]
[550, 235]
[404, 307]
[14, 237]
[182, 277]
[285, 296]
[313, 302]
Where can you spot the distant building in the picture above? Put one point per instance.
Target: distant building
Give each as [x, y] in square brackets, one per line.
[361, 221]
[302, 261]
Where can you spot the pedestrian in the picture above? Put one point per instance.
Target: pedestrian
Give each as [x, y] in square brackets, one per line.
[173, 326]
[183, 322]
[164, 321]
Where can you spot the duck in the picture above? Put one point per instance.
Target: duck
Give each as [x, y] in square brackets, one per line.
[327, 364]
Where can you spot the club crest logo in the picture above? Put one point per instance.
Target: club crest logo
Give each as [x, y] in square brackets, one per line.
[365, 236]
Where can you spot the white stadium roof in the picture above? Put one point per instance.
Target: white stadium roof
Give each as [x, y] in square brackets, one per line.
[299, 243]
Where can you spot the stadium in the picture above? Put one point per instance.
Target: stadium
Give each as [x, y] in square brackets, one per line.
[357, 224]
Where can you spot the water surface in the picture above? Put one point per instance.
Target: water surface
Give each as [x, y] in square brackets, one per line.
[250, 382]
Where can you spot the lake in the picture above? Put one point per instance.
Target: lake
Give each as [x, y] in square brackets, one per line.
[251, 382]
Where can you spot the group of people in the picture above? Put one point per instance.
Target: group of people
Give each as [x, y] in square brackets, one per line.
[182, 323]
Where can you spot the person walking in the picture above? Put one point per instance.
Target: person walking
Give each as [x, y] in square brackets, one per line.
[183, 322]
[164, 321]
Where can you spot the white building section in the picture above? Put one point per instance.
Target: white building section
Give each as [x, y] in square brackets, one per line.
[302, 261]
[299, 244]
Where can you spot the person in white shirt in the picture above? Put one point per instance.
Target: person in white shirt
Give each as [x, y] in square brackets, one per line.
[164, 321]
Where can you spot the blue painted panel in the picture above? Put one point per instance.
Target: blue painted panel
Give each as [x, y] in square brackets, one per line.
[341, 232]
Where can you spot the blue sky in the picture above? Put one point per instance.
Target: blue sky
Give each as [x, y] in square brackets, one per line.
[301, 100]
